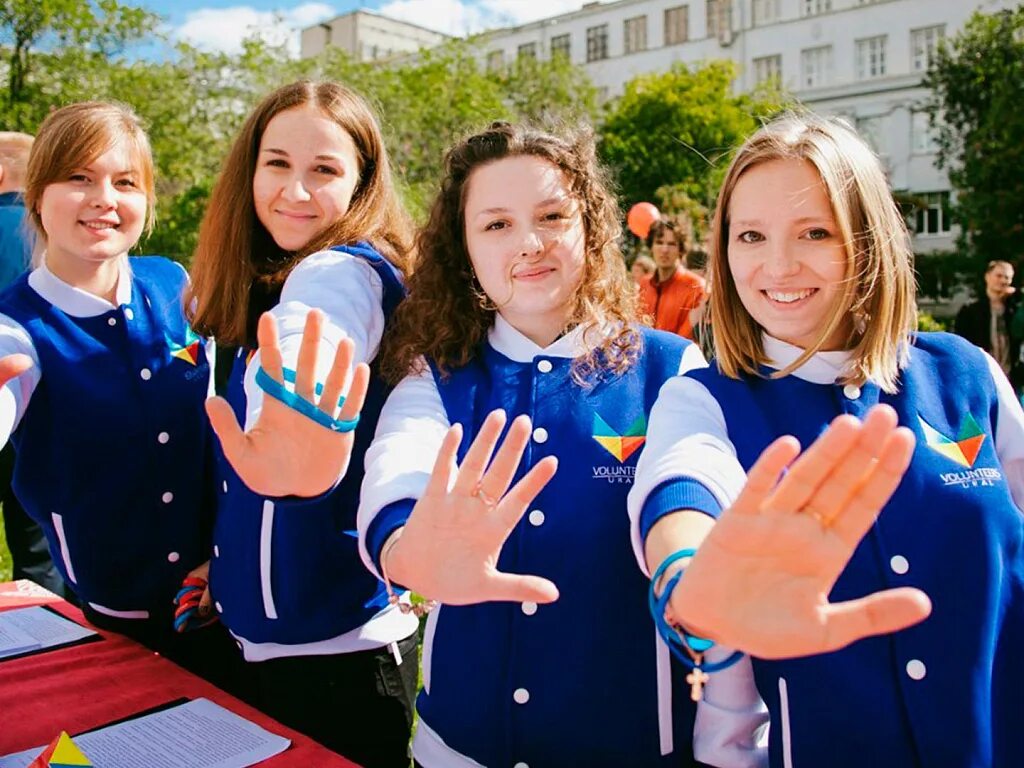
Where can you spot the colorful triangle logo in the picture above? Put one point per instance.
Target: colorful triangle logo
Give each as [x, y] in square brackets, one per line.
[189, 351]
[624, 445]
[62, 753]
[964, 450]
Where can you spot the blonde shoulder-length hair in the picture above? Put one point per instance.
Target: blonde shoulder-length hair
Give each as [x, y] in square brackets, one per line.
[878, 291]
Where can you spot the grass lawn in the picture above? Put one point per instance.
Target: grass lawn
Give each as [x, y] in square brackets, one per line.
[5, 556]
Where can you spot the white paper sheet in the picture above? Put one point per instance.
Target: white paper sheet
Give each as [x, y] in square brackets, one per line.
[35, 628]
[199, 734]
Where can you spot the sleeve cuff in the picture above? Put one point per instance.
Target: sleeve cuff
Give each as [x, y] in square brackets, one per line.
[387, 521]
[673, 495]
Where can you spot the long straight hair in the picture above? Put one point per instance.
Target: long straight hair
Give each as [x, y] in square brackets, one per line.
[235, 249]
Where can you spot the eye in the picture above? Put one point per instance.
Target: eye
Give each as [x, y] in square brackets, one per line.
[327, 170]
[750, 236]
[494, 226]
[78, 177]
[555, 216]
[818, 234]
[277, 162]
[127, 183]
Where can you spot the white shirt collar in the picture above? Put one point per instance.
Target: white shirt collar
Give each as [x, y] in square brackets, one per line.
[74, 301]
[515, 346]
[821, 368]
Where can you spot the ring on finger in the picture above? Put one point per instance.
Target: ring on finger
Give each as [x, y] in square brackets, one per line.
[488, 501]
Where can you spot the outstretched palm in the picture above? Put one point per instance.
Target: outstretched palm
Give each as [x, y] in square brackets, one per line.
[287, 453]
[450, 545]
[761, 579]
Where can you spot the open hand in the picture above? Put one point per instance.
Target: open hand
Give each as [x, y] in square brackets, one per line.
[287, 453]
[449, 548]
[760, 580]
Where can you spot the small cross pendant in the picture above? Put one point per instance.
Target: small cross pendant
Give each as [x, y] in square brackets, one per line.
[696, 679]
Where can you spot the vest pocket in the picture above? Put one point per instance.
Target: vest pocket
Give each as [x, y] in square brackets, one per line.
[787, 742]
[266, 550]
[65, 553]
[428, 646]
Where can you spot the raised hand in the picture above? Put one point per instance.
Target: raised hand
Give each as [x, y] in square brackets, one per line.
[760, 580]
[286, 453]
[449, 548]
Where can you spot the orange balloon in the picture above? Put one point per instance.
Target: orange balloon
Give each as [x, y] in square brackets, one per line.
[640, 218]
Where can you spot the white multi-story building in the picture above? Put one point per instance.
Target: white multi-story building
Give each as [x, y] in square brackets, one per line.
[368, 36]
[862, 59]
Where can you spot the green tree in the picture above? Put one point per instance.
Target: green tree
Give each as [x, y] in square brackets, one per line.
[977, 88]
[676, 129]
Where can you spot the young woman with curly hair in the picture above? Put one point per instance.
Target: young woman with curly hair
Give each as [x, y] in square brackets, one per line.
[520, 322]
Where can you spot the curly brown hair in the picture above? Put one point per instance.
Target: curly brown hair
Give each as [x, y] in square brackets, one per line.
[234, 248]
[444, 318]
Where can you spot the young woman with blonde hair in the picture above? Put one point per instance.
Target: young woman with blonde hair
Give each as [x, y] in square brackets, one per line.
[304, 222]
[812, 302]
[107, 412]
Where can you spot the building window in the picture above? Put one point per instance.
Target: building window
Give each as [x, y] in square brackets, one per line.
[495, 60]
[765, 12]
[814, 7]
[922, 135]
[560, 46]
[713, 13]
[874, 130]
[768, 68]
[597, 43]
[932, 218]
[816, 66]
[528, 51]
[923, 43]
[677, 25]
[635, 33]
[871, 57]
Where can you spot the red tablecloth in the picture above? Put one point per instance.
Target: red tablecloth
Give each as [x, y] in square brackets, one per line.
[81, 687]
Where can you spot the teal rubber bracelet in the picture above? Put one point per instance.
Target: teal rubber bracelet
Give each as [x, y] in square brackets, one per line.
[278, 391]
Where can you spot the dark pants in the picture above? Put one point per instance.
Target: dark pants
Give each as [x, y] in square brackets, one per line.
[210, 652]
[25, 538]
[358, 704]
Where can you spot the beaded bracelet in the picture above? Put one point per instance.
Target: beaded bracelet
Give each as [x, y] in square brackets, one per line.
[688, 648]
[419, 610]
[278, 391]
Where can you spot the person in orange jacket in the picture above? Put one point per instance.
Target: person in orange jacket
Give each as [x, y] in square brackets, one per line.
[673, 297]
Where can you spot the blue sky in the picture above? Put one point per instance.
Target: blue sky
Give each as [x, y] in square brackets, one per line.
[222, 24]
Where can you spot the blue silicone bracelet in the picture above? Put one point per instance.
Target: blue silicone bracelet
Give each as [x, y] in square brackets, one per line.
[673, 637]
[278, 391]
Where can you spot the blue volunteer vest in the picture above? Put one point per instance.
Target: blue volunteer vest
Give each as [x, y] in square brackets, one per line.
[585, 665]
[112, 450]
[949, 691]
[293, 576]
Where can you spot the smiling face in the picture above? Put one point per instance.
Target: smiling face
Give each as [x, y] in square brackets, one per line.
[525, 239]
[306, 174]
[785, 252]
[97, 213]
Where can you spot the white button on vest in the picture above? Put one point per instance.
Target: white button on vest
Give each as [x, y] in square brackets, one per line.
[520, 765]
[536, 518]
[852, 391]
[218, 607]
[225, 486]
[146, 374]
[173, 557]
[168, 497]
[111, 321]
[529, 608]
[540, 435]
[128, 313]
[899, 564]
[216, 551]
[521, 696]
[544, 366]
[163, 437]
[916, 669]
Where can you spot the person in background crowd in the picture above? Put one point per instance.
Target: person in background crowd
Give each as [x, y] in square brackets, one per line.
[988, 322]
[643, 266]
[673, 296]
[25, 539]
